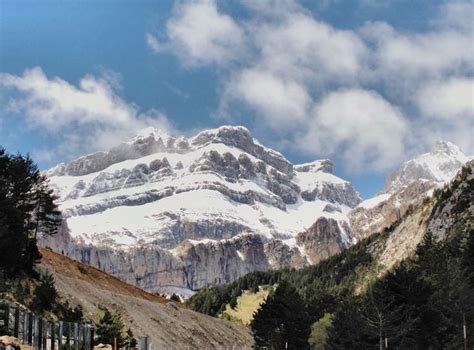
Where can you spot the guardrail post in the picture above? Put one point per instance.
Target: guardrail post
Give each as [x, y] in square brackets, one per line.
[6, 318]
[25, 327]
[53, 336]
[91, 335]
[38, 332]
[60, 335]
[76, 336]
[30, 328]
[143, 343]
[16, 323]
[68, 336]
[45, 333]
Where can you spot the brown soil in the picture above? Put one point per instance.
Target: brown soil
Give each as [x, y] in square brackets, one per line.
[169, 325]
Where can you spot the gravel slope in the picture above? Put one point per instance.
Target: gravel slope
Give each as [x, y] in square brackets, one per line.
[170, 326]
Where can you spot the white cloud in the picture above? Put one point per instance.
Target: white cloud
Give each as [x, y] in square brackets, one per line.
[277, 101]
[457, 15]
[418, 56]
[303, 48]
[291, 56]
[272, 8]
[450, 99]
[86, 117]
[55, 103]
[447, 112]
[358, 126]
[153, 43]
[200, 34]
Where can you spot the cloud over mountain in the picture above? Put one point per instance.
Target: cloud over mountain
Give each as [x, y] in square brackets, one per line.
[301, 77]
[85, 117]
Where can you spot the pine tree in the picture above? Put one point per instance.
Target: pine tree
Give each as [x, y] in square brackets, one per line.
[130, 341]
[72, 314]
[45, 294]
[468, 257]
[109, 328]
[282, 321]
[27, 208]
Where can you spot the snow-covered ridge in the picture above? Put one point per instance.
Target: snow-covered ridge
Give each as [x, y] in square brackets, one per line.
[222, 180]
[324, 165]
[150, 141]
[440, 165]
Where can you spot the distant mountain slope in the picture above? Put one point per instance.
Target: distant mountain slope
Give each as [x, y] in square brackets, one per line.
[412, 183]
[166, 212]
[169, 326]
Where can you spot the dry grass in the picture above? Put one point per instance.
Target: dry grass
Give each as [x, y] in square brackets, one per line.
[247, 304]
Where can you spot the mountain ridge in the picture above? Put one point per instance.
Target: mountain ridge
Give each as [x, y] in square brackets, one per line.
[187, 213]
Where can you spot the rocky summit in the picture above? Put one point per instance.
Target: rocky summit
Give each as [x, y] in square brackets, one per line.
[412, 183]
[179, 214]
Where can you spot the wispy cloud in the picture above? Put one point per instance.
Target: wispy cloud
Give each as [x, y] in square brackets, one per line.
[153, 43]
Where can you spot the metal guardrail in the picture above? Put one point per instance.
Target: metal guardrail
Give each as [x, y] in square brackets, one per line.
[44, 334]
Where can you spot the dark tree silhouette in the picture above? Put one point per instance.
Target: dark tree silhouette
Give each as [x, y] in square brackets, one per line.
[282, 322]
[27, 208]
[109, 328]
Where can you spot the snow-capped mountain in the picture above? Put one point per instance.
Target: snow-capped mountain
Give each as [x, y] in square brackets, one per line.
[439, 165]
[414, 181]
[167, 212]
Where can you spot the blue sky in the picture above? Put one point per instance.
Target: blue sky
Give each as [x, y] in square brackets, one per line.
[366, 83]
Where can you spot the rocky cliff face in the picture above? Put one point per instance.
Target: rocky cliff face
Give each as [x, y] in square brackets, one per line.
[455, 207]
[164, 212]
[448, 211]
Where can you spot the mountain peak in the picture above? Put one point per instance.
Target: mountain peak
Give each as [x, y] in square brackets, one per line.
[439, 165]
[324, 165]
[441, 147]
[156, 133]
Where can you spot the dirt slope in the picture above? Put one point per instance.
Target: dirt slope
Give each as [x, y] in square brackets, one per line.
[169, 325]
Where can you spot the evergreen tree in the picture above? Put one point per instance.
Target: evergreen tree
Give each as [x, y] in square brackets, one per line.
[45, 294]
[282, 321]
[72, 314]
[27, 208]
[349, 330]
[468, 258]
[130, 341]
[109, 328]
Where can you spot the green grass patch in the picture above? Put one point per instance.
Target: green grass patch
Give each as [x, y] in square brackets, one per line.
[247, 304]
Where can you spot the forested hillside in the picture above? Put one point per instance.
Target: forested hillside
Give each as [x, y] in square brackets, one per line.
[349, 301]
